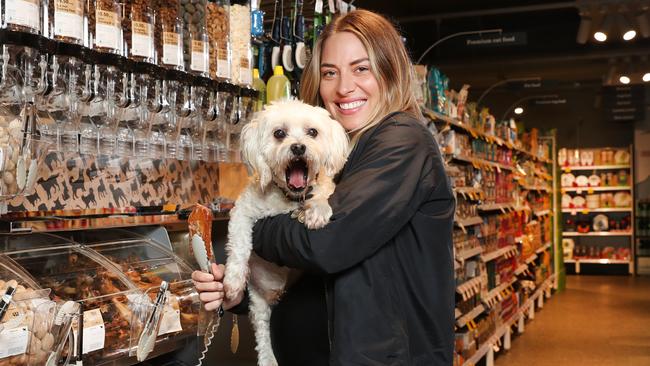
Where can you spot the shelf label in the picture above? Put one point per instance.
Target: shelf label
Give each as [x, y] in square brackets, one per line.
[585, 211]
[567, 169]
[94, 332]
[14, 342]
[171, 317]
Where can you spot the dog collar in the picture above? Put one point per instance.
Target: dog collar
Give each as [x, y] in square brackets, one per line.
[307, 195]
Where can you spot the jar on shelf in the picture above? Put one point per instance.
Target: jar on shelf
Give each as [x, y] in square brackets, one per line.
[21, 15]
[66, 20]
[240, 41]
[169, 28]
[105, 26]
[218, 24]
[138, 25]
[199, 52]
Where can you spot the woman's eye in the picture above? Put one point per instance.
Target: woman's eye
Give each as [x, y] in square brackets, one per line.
[279, 134]
[329, 74]
[362, 68]
[312, 132]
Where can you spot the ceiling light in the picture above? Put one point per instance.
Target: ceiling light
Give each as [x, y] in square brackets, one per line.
[624, 79]
[629, 35]
[600, 36]
[519, 110]
[601, 33]
[646, 77]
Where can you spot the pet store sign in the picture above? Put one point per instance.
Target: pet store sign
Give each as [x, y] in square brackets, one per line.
[497, 40]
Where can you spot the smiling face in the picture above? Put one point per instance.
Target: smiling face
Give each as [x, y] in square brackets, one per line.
[348, 88]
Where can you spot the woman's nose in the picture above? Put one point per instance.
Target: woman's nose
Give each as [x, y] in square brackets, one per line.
[346, 84]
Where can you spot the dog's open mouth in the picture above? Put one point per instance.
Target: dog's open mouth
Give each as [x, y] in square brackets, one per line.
[296, 174]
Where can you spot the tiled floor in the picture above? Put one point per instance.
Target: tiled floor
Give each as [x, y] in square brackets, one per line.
[597, 321]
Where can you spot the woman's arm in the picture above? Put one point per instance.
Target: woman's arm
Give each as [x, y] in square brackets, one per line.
[394, 175]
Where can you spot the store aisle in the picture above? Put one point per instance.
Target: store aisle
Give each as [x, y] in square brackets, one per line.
[597, 321]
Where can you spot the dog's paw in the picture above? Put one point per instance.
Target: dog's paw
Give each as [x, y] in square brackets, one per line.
[267, 359]
[234, 282]
[317, 213]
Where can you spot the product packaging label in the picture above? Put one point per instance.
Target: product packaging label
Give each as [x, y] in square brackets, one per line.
[171, 317]
[68, 21]
[141, 39]
[223, 68]
[22, 12]
[94, 331]
[106, 31]
[171, 49]
[199, 60]
[245, 72]
[14, 341]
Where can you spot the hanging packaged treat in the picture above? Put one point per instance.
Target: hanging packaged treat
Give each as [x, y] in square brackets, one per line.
[240, 38]
[21, 15]
[104, 22]
[139, 32]
[170, 28]
[199, 48]
[218, 28]
[67, 17]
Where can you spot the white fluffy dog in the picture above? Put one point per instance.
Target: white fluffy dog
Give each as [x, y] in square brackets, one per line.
[293, 149]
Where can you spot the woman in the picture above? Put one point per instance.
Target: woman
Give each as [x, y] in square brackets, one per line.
[378, 287]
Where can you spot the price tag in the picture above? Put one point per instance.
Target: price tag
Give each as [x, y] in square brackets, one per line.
[590, 190]
[319, 7]
[171, 317]
[585, 211]
[330, 5]
[567, 169]
[94, 331]
[14, 342]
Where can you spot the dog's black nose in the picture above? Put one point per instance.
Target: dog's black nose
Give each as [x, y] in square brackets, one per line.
[298, 149]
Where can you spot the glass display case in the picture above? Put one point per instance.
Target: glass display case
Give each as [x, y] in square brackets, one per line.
[112, 274]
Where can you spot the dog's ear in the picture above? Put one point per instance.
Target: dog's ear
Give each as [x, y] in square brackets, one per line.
[338, 145]
[252, 136]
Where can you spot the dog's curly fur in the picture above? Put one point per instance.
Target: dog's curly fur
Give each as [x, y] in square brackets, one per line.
[269, 154]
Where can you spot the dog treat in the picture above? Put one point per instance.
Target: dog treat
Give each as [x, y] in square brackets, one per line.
[218, 28]
[24, 327]
[104, 22]
[240, 41]
[67, 17]
[23, 15]
[12, 164]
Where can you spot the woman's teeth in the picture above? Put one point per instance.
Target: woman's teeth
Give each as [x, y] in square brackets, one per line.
[352, 105]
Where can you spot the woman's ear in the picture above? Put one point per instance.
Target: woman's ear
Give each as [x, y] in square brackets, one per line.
[252, 137]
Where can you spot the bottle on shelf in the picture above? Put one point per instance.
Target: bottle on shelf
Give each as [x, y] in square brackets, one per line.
[260, 86]
[278, 87]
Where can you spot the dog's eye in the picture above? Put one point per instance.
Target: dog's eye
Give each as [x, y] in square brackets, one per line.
[312, 132]
[279, 134]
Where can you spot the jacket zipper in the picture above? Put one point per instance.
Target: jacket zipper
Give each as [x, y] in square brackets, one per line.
[329, 327]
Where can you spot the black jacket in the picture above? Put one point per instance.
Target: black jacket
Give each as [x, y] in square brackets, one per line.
[386, 255]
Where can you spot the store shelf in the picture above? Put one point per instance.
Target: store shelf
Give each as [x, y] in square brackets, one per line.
[541, 213]
[595, 189]
[478, 310]
[470, 221]
[498, 253]
[595, 167]
[598, 261]
[477, 162]
[543, 248]
[501, 331]
[598, 233]
[496, 206]
[465, 254]
[531, 258]
[470, 287]
[521, 269]
[457, 313]
[494, 295]
[536, 188]
[575, 211]
[471, 192]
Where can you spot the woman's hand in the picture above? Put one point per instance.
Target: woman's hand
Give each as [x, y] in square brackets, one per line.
[210, 287]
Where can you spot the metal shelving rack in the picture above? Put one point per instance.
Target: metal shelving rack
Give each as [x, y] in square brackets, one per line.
[629, 234]
[472, 286]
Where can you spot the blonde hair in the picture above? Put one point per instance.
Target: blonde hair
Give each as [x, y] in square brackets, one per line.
[389, 63]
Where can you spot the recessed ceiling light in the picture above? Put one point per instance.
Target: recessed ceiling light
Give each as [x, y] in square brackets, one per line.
[646, 77]
[519, 110]
[624, 79]
[600, 36]
[629, 35]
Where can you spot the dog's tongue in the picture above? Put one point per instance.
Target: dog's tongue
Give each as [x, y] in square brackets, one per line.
[297, 178]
